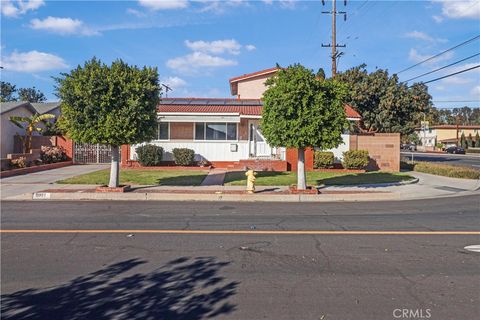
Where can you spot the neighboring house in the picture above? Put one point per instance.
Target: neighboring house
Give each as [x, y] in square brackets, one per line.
[20, 109]
[448, 135]
[223, 131]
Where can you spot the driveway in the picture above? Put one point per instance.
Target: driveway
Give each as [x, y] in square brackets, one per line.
[37, 181]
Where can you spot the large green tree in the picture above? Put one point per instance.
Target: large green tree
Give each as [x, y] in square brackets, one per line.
[31, 95]
[385, 104]
[301, 111]
[7, 92]
[112, 105]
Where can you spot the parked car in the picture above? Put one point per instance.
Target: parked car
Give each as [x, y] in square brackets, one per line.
[408, 147]
[455, 150]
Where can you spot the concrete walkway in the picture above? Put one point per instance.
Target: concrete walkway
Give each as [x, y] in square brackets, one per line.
[215, 177]
[33, 182]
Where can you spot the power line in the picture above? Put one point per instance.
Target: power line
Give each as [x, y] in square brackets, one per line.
[441, 53]
[452, 74]
[449, 65]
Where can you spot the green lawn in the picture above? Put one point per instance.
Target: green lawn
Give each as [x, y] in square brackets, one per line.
[143, 177]
[269, 178]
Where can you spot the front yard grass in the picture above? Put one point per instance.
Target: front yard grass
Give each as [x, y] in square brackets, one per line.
[270, 178]
[142, 177]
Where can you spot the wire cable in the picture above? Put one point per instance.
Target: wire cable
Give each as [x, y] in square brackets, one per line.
[452, 74]
[439, 54]
[438, 69]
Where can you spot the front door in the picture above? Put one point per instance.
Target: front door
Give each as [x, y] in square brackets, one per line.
[257, 145]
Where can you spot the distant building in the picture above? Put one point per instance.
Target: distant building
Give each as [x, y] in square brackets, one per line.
[448, 135]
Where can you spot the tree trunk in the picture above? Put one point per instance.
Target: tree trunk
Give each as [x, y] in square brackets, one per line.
[114, 169]
[301, 177]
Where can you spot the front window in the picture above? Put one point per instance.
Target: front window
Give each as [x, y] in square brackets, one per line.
[215, 131]
[163, 131]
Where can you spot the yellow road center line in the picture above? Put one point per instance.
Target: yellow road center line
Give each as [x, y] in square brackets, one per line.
[246, 232]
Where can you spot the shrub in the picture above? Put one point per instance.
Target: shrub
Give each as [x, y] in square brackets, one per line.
[473, 150]
[447, 170]
[323, 159]
[52, 154]
[355, 159]
[18, 163]
[149, 155]
[183, 156]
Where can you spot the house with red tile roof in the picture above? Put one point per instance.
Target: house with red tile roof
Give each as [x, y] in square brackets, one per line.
[225, 132]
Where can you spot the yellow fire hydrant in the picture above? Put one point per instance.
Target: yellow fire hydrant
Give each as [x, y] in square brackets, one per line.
[250, 181]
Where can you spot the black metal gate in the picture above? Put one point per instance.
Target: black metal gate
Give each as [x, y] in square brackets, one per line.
[92, 153]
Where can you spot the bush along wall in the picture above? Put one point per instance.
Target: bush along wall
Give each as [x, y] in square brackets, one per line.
[355, 159]
[149, 155]
[183, 156]
[323, 159]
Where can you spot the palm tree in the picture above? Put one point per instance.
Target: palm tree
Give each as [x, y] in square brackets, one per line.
[30, 124]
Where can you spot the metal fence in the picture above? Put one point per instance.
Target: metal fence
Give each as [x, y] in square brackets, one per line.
[92, 153]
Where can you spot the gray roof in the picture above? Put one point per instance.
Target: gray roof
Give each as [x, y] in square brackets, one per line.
[39, 108]
[9, 106]
[45, 107]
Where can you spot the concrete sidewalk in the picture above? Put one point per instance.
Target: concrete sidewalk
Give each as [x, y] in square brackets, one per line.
[428, 186]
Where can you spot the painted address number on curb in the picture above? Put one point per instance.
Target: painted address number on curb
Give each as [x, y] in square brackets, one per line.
[41, 195]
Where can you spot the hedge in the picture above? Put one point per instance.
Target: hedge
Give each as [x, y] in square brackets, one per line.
[355, 159]
[183, 156]
[149, 155]
[323, 159]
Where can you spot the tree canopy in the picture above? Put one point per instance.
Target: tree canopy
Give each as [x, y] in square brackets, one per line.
[112, 105]
[385, 104]
[300, 111]
[9, 92]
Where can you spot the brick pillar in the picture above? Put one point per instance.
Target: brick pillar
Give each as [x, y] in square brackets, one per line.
[125, 155]
[66, 144]
[291, 156]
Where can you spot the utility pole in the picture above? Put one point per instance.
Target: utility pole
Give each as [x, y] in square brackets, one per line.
[334, 44]
[167, 88]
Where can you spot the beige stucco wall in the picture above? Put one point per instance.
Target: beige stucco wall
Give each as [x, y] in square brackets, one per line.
[9, 129]
[252, 88]
[443, 134]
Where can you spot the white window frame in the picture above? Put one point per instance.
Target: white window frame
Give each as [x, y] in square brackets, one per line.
[157, 138]
[205, 132]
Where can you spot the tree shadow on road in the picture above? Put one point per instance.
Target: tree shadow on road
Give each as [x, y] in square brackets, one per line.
[186, 288]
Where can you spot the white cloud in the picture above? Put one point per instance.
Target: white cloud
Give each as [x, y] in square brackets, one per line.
[475, 92]
[250, 47]
[32, 61]
[174, 82]
[62, 26]
[190, 63]
[437, 19]
[15, 8]
[220, 6]
[469, 9]
[163, 4]
[414, 56]
[218, 46]
[418, 35]
[136, 13]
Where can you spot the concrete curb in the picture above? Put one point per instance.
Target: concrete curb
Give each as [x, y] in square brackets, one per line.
[43, 196]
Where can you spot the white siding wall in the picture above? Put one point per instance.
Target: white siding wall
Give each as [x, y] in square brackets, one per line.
[212, 151]
[345, 146]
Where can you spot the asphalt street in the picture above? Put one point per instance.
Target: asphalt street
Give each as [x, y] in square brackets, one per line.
[453, 159]
[104, 260]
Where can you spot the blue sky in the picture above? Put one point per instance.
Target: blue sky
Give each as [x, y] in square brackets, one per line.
[198, 45]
